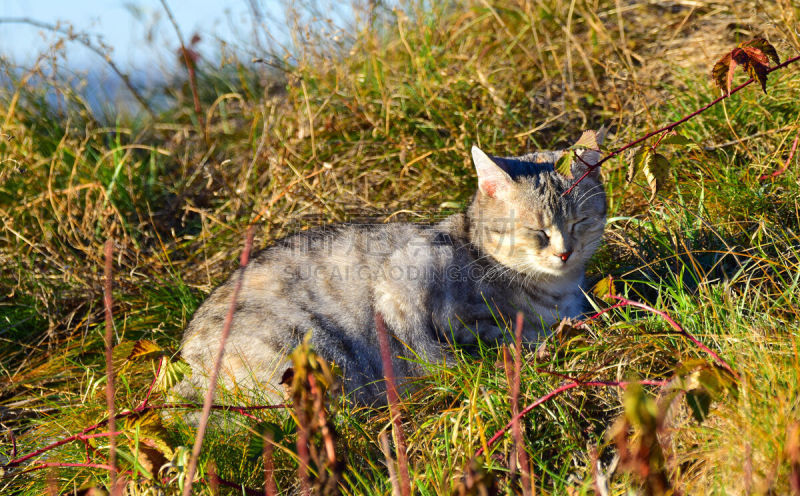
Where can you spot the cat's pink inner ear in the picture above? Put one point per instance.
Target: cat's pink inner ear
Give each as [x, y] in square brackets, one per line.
[492, 180]
[488, 187]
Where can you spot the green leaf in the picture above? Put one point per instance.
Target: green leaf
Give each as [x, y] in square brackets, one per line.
[172, 373]
[564, 163]
[264, 430]
[640, 409]
[722, 73]
[715, 380]
[704, 383]
[677, 139]
[604, 289]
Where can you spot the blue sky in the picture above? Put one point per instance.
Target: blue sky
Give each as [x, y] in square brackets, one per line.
[125, 25]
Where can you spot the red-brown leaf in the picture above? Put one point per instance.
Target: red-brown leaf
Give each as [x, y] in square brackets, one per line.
[753, 56]
[756, 55]
[722, 73]
[764, 46]
[759, 73]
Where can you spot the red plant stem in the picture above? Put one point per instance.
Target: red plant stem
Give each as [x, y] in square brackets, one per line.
[675, 124]
[785, 164]
[152, 384]
[187, 60]
[521, 456]
[664, 315]
[327, 436]
[302, 450]
[552, 394]
[166, 406]
[109, 342]
[270, 489]
[658, 141]
[394, 401]
[239, 487]
[212, 380]
[59, 464]
[13, 443]
[88, 450]
[99, 434]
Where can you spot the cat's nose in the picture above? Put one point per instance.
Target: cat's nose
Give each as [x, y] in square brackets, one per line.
[565, 256]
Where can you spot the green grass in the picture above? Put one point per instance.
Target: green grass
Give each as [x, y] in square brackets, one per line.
[381, 127]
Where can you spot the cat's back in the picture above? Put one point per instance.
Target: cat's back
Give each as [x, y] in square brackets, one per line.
[331, 271]
[328, 280]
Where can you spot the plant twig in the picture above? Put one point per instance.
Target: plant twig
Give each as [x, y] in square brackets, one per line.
[270, 489]
[84, 40]
[519, 445]
[152, 384]
[673, 125]
[623, 302]
[394, 401]
[785, 164]
[83, 434]
[303, 455]
[552, 394]
[212, 380]
[109, 342]
[198, 111]
[65, 464]
[239, 487]
[387, 455]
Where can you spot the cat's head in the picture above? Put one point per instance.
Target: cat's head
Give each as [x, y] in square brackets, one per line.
[523, 219]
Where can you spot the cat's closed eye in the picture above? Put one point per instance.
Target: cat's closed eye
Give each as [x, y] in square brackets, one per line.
[579, 224]
[539, 234]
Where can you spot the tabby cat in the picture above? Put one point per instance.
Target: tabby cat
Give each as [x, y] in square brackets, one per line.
[520, 246]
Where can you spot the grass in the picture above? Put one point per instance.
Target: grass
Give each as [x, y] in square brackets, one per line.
[380, 124]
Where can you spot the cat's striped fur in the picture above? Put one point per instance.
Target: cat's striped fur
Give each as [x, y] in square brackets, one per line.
[521, 245]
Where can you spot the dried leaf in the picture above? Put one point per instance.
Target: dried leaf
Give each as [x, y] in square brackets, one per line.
[477, 480]
[588, 140]
[756, 55]
[153, 449]
[656, 170]
[638, 162]
[145, 348]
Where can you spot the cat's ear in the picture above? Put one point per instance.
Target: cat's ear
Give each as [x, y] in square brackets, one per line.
[588, 153]
[492, 180]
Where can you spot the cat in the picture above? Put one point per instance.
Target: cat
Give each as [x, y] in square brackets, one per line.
[521, 246]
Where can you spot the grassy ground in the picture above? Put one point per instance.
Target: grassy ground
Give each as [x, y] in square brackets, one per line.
[381, 124]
